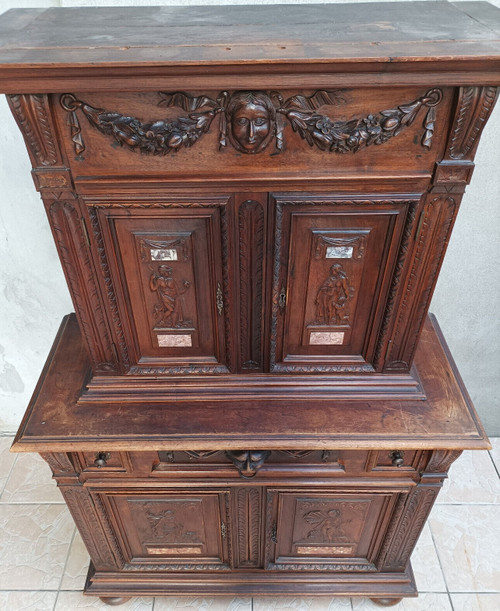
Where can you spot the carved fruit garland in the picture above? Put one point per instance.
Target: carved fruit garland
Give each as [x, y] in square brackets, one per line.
[250, 120]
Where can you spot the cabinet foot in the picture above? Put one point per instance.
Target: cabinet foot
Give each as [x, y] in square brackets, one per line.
[386, 602]
[114, 600]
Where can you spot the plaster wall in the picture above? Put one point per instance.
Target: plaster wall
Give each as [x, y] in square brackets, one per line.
[34, 297]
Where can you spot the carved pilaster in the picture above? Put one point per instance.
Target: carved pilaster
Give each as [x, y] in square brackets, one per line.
[104, 553]
[409, 526]
[72, 243]
[251, 234]
[248, 513]
[436, 223]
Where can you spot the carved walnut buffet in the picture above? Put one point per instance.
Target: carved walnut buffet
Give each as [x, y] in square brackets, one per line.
[251, 208]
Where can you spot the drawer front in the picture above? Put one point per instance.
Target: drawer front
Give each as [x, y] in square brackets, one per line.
[255, 134]
[334, 266]
[327, 530]
[166, 264]
[175, 531]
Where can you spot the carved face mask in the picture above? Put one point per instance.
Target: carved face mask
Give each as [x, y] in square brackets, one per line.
[250, 127]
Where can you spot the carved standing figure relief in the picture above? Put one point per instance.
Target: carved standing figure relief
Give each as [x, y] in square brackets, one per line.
[169, 311]
[333, 297]
[250, 120]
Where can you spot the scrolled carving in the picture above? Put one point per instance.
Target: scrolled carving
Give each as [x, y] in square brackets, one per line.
[33, 117]
[474, 107]
[441, 460]
[250, 121]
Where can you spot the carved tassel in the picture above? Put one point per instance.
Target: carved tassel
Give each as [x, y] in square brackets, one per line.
[429, 124]
[76, 133]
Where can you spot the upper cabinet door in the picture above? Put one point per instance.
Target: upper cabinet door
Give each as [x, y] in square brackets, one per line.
[333, 271]
[168, 270]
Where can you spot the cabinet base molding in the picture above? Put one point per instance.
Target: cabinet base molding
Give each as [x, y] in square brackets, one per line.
[140, 389]
[381, 586]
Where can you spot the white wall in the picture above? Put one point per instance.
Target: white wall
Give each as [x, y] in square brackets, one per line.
[34, 297]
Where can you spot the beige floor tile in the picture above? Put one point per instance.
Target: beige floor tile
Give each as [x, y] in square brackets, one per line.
[192, 603]
[28, 601]
[472, 479]
[77, 565]
[425, 562]
[475, 602]
[467, 540]
[34, 545]
[6, 461]
[495, 451]
[317, 603]
[67, 601]
[424, 602]
[30, 481]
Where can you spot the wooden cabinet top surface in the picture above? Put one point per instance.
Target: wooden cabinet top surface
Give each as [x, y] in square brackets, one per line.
[55, 420]
[43, 50]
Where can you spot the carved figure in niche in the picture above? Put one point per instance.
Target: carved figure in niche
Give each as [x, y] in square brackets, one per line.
[251, 118]
[169, 311]
[333, 298]
[327, 525]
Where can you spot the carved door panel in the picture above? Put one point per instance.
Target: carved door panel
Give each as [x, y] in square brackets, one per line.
[177, 530]
[333, 269]
[167, 262]
[326, 530]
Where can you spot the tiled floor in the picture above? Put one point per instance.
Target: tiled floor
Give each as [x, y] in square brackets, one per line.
[43, 562]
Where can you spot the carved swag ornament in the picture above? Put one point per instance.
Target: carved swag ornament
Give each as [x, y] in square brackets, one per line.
[250, 120]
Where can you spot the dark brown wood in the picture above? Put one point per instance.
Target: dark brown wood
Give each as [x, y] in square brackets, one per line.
[251, 207]
[445, 419]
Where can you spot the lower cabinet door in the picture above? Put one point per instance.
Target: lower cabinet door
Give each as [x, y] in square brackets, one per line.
[326, 530]
[174, 530]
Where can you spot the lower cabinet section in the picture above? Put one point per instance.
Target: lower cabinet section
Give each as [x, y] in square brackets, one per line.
[296, 523]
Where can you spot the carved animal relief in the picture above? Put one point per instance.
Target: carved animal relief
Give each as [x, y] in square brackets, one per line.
[250, 121]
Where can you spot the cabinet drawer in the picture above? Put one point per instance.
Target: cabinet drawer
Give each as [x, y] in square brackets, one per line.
[327, 530]
[253, 134]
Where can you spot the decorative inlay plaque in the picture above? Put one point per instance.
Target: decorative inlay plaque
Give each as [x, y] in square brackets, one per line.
[339, 252]
[322, 338]
[174, 341]
[163, 254]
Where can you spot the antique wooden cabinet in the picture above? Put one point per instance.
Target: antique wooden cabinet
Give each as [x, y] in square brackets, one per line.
[251, 208]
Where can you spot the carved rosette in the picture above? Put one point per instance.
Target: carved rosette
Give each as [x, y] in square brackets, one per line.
[250, 121]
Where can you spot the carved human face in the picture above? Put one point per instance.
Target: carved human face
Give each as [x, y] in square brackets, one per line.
[251, 127]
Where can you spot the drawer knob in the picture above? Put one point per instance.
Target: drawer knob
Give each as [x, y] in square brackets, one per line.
[397, 458]
[101, 459]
